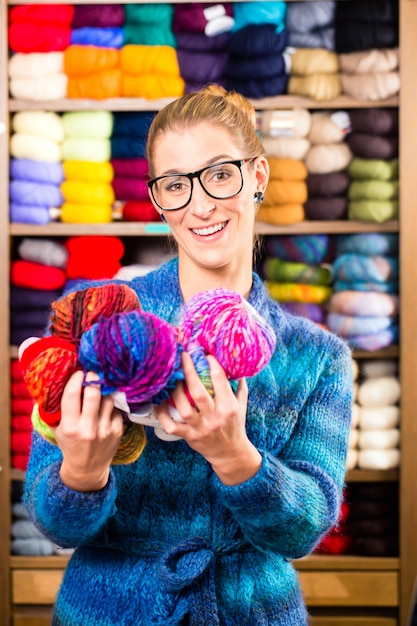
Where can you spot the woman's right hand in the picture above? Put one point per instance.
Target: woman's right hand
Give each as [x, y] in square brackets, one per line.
[88, 434]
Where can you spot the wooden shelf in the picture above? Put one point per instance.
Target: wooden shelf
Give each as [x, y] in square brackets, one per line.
[372, 476]
[38, 562]
[346, 562]
[280, 102]
[152, 229]
[311, 562]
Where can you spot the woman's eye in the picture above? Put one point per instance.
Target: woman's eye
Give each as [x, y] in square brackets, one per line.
[176, 186]
[219, 176]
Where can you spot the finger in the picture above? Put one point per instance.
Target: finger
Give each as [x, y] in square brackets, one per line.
[110, 418]
[220, 382]
[71, 396]
[91, 403]
[116, 423]
[242, 392]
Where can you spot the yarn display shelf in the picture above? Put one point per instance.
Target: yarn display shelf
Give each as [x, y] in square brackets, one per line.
[346, 562]
[310, 562]
[151, 229]
[142, 104]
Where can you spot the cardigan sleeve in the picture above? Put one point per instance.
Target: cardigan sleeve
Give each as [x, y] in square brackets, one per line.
[295, 497]
[67, 517]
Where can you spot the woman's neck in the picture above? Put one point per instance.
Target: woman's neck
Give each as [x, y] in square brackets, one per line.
[201, 279]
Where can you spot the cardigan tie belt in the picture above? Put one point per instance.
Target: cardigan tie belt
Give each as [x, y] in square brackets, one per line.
[189, 567]
[186, 568]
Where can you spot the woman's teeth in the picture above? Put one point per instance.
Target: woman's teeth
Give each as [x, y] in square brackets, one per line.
[209, 230]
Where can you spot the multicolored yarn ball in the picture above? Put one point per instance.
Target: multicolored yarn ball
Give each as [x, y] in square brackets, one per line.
[76, 312]
[40, 361]
[71, 316]
[134, 352]
[299, 248]
[220, 322]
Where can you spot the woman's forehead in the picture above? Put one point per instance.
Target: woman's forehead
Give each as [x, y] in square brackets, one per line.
[192, 147]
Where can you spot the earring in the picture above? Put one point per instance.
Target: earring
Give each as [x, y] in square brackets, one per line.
[163, 218]
[259, 197]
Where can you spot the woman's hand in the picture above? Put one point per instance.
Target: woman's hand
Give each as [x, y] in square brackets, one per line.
[88, 434]
[215, 426]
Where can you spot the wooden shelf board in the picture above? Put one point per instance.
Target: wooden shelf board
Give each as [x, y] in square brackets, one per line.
[372, 476]
[311, 562]
[280, 102]
[347, 563]
[38, 562]
[152, 229]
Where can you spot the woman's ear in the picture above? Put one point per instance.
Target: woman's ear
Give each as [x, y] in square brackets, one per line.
[262, 173]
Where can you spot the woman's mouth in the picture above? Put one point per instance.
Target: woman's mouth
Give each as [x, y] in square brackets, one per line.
[209, 230]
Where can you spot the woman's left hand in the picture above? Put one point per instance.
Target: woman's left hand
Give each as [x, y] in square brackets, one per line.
[215, 426]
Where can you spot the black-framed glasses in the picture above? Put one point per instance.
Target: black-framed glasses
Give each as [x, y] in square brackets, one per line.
[220, 181]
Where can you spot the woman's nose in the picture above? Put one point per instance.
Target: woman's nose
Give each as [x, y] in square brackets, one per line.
[201, 203]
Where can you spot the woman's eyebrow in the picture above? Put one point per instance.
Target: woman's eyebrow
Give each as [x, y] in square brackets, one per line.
[217, 159]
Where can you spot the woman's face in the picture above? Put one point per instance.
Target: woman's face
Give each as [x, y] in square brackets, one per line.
[210, 233]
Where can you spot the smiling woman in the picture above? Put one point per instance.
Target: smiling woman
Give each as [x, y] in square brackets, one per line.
[250, 475]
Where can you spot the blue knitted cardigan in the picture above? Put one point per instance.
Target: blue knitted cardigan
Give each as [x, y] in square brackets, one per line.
[166, 538]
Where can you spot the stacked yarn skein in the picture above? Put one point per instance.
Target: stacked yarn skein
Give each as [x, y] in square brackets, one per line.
[364, 306]
[311, 25]
[374, 169]
[314, 64]
[284, 139]
[37, 278]
[137, 355]
[374, 518]
[327, 161]
[296, 274]
[379, 394]
[202, 34]
[92, 58]
[21, 405]
[366, 40]
[38, 37]
[87, 190]
[256, 66]
[35, 169]
[130, 165]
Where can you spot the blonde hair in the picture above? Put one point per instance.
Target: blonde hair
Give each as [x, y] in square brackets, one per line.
[212, 104]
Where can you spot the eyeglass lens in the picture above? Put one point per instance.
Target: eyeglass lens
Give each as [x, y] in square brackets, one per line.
[220, 181]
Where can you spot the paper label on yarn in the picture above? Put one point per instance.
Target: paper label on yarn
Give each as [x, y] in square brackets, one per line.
[342, 120]
[146, 416]
[281, 124]
[217, 10]
[219, 25]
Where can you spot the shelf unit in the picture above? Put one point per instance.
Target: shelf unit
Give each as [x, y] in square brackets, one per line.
[330, 583]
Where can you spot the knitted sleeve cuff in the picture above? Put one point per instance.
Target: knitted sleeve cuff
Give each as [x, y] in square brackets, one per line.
[246, 496]
[284, 507]
[70, 517]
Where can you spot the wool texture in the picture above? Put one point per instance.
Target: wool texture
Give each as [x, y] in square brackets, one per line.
[165, 539]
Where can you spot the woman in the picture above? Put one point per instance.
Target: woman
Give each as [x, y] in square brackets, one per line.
[201, 530]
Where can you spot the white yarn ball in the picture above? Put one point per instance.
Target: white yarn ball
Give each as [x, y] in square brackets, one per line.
[378, 459]
[381, 418]
[382, 391]
[379, 439]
